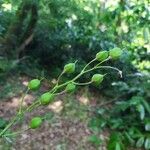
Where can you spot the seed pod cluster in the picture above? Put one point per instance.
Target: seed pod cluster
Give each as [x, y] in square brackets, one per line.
[46, 98]
[34, 84]
[69, 68]
[35, 122]
[114, 53]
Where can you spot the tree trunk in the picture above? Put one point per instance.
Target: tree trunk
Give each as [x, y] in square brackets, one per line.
[18, 32]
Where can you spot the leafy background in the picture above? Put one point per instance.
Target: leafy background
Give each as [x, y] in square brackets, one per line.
[65, 31]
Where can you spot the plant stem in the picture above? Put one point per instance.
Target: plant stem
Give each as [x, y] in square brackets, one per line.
[22, 99]
[88, 64]
[56, 87]
[83, 83]
[16, 116]
[60, 93]
[59, 77]
[103, 61]
[9, 125]
[32, 106]
[16, 133]
[109, 67]
[104, 67]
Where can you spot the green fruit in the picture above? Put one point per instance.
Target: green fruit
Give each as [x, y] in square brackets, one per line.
[34, 84]
[69, 68]
[70, 87]
[97, 78]
[100, 56]
[46, 98]
[115, 53]
[35, 122]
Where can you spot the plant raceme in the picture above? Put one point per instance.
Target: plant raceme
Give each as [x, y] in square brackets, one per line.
[60, 88]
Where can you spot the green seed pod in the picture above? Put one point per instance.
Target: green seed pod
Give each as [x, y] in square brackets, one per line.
[69, 68]
[34, 84]
[35, 122]
[101, 56]
[115, 53]
[46, 98]
[70, 87]
[97, 79]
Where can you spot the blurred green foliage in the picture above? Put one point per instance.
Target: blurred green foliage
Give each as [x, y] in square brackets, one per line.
[72, 30]
[78, 29]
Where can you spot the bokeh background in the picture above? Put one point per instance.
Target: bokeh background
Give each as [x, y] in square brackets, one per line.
[38, 37]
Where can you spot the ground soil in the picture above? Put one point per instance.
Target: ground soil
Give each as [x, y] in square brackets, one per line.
[65, 126]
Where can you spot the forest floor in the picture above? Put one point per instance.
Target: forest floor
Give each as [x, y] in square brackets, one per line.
[65, 126]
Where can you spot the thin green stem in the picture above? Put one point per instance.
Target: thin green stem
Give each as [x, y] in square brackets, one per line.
[103, 61]
[60, 93]
[78, 76]
[16, 133]
[9, 125]
[82, 83]
[59, 77]
[81, 73]
[95, 67]
[16, 116]
[36, 106]
[88, 64]
[21, 103]
[104, 67]
[56, 87]
[109, 67]
[32, 106]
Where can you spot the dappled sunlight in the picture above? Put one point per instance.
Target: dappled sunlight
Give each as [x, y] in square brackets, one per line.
[83, 99]
[28, 99]
[15, 101]
[54, 81]
[25, 83]
[56, 106]
[74, 74]
[7, 7]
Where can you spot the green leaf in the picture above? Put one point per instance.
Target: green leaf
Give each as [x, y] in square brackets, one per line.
[115, 137]
[135, 100]
[96, 124]
[147, 143]
[135, 132]
[146, 34]
[147, 127]
[95, 140]
[118, 146]
[129, 138]
[116, 123]
[115, 142]
[141, 110]
[140, 142]
[146, 105]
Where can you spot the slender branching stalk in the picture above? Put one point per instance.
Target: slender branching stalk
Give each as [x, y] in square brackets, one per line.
[59, 89]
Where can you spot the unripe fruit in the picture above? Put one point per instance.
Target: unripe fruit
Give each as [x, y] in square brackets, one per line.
[34, 84]
[46, 98]
[35, 122]
[97, 78]
[70, 87]
[115, 53]
[69, 68]
[100, 56]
